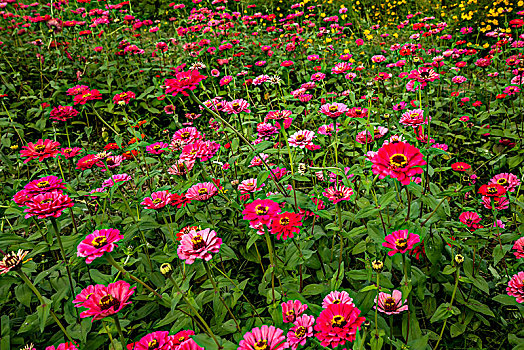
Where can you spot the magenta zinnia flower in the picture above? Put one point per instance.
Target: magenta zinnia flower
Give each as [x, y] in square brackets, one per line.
[400, 241]
[107, 301]
[519, 247]
[390, 303]
[301, 330]
[508, 180]
[40, 150]
[399, 160]
[292, 309]
[157, 200]
[338, 193]
[337, 324]
[265, 337]
[63, 346]
[469, 218]
[62, 113]
[157, 148]
[45, 184]
[414, 118]
[202, 191]
[237, 106]
[337, 297]
[261, 210]
[198, 245]
[301, 138]
[183, 82]
[98, 243]
[155, 341]
[49, 204]
[516, 287]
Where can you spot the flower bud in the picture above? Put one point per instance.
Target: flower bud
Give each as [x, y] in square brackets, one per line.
[377, 265]
[166, 269]
[459, 259]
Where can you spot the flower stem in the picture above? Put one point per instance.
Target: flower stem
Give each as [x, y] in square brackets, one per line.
[457, 275]
[270, 249]
[376, 304]
[117, 266]
[119, 329]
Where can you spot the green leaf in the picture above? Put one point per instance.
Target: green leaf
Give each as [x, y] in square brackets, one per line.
[23, 294]
[433, 246]
[5, 330]
[505, 299]
[313, 289]
[441, 313]
[479, 307]
[43, 313]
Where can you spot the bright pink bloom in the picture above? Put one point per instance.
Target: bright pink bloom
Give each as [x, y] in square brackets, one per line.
[187, 135]
[399, 160]
[338, 193]
[62, 113]
[113, 180]
[265, 337]
[237, 106]
[249, 186]
[63, 346]
[107, 301]
[40, 150]
[160, 340]
[198, 245]
[189, 344]
[181, 167]
[123, 98]
[301, 138]
[500, 203]
[301, 330]
[337, 297]
[292, 309]
[49, 204]
[182, 337]
[98, 243]
[69, 152]
[400, 241]
[337, 324]
[183, 82]
[333, 110]
[157, 200]
[519, 247]
[157, 148]
[469, 218]
[390, 304]
[508, 180]
[414, 118]
[87, 162]
[516, 287]
[261, 210]
[286, 225]
[45, 184]
[86, 96]
[202, 191]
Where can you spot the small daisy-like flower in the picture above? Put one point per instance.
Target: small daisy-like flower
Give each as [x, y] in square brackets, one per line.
[198, 245]
[337, 297]
[12, 261]
[338, 193]
[390, 304]
[400, 241]
[98, 243]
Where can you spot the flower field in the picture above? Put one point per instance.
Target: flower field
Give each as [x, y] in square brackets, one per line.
[222, 174]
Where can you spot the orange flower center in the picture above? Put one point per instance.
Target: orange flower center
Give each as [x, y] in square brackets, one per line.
[300, 137]
[333, 108]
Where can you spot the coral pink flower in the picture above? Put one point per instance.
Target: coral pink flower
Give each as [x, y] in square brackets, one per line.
[469, 218]
[261, 210]
[40, 150]
[519, 247]
[198, 245]
[509, 181]
[285, 225]
[414, 118]
[187, 135]
[87, 162]
[333, 110]
[516, 287]
[63, 346]
[390, 303]
[237, 106]
[265, 337]
[338, 193]
[45, 184]
[400, 241]
[301, 330]
[292, 309]
[337, 324]
[157, 200]
[337, 297]
[69, 152]
[157, 148]
[98, 243]
[49, 204]
[181, 167]
[107, 301]
[357, 112]
[182, 337]
[183, 82]
[160, 340]
[399, 160]
[86, 96]
[301, 138]
[202, 191]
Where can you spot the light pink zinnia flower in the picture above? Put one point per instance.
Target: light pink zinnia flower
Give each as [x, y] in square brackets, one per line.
[157, 200]
[237, 106]
[187, 135]
[202, 191]
[301, 138]
[292, 309]
[390, 304]
[338, 193]
[118, 178]
[301, 330]
[107, 301]
[265, 337]
[98, 243]
[508, 180]
[181, 167]
[333, 110]
[414, 118]
[45, 184]
[249, 186]
[49, 204]
[516, 287]
[400, 241]
[198, 245]
[337, 297]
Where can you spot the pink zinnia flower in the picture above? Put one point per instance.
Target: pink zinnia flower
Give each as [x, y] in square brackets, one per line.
[183, 82]
[157, 200]
[508, 180]
[189, 344]
[237, 106]
[62, 113]
[327, 129]
[157, 148]
[113, 180]
[265, 337]
[399, 160]
[390, 304]
[187, 135]
[301, 330]
[469, 218]
[40, 150]
[198, 245]
[226, 80]
[414, 118]
[500, 203]
[181, 167]
[123, 98]
[107, 301]
[63, 346]
[337, 297]
[519, 247]
[337, 324]
[45, 184]
[182, 337]
[86, 96]
[301, 138]
[400, 241]
[261, 210]
[157, 340]
[338, 193]
[87, 162]
[249, 186]
[292, 309]
[202, 191]
[516, 287]
[333, 110]
[49, 204]
[98, 243]
[69, 152]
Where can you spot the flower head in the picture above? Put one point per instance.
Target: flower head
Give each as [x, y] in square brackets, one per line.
[157, 200]
[333, 110]
[286, 225]
[264, 338]
[292, 309]
[337, 297]
[261, 210]
[106, 301]
[301, 138]
[400, 241]
[183, 82]
[45, 184]
[40, 150]
[49, 204]
[301, 330]
[516, 287]
[337, 324]
[201, 191]
[12, 261]
[399, 160]
[198, 245]
[519, 247]
[338, 193]
[98, 243]
[390, 303]
[507, 180]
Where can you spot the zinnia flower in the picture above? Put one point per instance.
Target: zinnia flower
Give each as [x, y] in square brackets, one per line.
[107, 301]
[337, 297]
[414, 118]
[301, 138]
[237, 106]
[284, 225]
[157, 148]
[198, 245]
[201, 191]
[337, 324]
[69, 152]
[338, 193]
[160, 340]
[12, 261]
[98, 243]
[399, 160]
[516, 287]
[492, 190]
[390, 303]
[509, 181]
[292, 309]
[333, 110]
[400, 241]
[469, 218]
[157, 200]
[45, 184]
[183, 82]
[40, 150]
[265, 337]
[519, 247]
[63, 346]
[301, 330]
[460, 166]
[261, 210]
[49, 204]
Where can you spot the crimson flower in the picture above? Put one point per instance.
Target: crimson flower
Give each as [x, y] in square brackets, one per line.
[492, 190]
[183, 82]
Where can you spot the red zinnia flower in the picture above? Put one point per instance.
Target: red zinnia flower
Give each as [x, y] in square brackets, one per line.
[50, 204]
[492, 190]
[460, 166]
[40, 150]
[285, 225]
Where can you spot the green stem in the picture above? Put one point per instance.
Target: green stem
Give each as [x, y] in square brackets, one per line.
[450, 306]
[119, 329]
[270, 249]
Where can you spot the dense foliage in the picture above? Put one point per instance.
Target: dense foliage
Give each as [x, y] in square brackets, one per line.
[228, 175]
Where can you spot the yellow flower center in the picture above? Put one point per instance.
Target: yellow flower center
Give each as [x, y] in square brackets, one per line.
[157, 200]
[284, 221]
[300, 137]
[39, 148]
[42, 184]
[261, 345]
[99, 241]
[198, 242]
[338, 321]
[107, 302]
[260, 210]
[333, 108]
[203, 190]
[398, 160]
[502, 181]
[401, 243]
[300, 332]
[153, 344]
